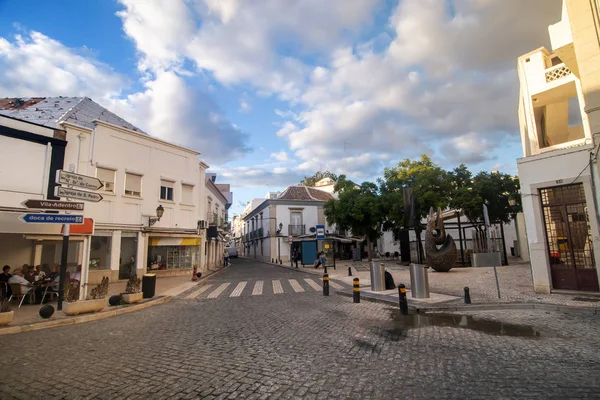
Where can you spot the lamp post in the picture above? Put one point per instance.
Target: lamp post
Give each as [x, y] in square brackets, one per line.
[159, 213]
[512, 202]
[279, 242]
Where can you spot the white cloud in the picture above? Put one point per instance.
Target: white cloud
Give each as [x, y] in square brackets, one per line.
[169, 108]
[281, 156]
[35, 65]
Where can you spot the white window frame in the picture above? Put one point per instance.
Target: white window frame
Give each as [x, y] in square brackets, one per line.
[132, 193]
[106, 183]
[167, 184]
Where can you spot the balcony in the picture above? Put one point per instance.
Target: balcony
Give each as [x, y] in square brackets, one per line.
[296, 230]
[260, 233]
[212, 218]
[557, 72]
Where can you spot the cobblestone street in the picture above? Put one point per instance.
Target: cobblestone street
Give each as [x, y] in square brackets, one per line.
[224, 340]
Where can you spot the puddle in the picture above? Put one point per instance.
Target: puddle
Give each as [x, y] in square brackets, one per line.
[402, 323]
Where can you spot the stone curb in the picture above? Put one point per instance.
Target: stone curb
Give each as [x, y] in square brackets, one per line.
[479, 307]
[94, 316]
[83, 318]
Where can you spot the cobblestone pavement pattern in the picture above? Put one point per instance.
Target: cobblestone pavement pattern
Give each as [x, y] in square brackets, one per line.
[296, 345]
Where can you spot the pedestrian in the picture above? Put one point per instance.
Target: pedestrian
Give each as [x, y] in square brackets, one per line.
[295, 256]
[226, 258]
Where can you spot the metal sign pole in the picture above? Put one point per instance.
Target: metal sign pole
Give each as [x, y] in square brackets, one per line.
[63, 266]
[486, 219]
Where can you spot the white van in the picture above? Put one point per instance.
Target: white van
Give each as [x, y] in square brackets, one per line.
[233, 253]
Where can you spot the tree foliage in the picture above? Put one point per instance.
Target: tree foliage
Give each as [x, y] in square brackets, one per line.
[312, 180]
[357, 208]
[432, 186]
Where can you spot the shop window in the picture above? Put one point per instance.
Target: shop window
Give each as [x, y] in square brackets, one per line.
[166, 190]
[133, 185]
[187, 194]
[107, 176]
[128, 255]
[100, 252]
[173, 257]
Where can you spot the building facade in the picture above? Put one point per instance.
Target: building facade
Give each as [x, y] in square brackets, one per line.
[559, 117]
[153, 212]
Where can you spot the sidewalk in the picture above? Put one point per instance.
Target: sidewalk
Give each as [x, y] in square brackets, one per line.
[27, 317]
[447, 288]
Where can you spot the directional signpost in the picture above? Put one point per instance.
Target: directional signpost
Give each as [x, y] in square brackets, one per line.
[61, 191]
[53, 205]
[72, 179]
[77, 180]
[52, 219]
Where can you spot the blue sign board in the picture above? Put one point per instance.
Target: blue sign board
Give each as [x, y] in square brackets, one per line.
[320, 231]
[52, 219]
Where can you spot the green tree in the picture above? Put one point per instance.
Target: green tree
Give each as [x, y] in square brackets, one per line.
[312, 180]
[357, 208]
[432, 186]
[491, 188]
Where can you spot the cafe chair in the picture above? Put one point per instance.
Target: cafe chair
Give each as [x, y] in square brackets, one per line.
[17, 291]
[50, 292]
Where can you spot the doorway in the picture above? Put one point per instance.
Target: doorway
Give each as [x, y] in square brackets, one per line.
[569, 238]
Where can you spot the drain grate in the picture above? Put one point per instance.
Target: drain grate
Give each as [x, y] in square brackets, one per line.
[589, 299]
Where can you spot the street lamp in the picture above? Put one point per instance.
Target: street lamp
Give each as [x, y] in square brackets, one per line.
[279, 242]
[159, 213]
[512, 202]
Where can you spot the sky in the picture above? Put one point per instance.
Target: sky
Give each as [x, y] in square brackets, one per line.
[270, 91]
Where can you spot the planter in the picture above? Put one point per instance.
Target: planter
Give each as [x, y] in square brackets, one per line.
[84, 306]
[6, 317]
[130, 298]
[487, 259]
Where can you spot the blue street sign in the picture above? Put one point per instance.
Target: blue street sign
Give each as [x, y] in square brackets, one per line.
[52, 219]
[320, 231]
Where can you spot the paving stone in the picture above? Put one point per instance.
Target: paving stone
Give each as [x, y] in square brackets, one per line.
[301, 345]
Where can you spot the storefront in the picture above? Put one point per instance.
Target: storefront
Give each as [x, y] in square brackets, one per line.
[172, 254]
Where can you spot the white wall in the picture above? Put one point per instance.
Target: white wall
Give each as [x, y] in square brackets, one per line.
[309, 216]
[117, 149]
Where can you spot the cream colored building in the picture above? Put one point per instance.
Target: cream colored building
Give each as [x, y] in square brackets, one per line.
[559, 116]
[141, 174]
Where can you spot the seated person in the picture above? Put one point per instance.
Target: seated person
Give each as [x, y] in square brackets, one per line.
[17, 278]
[29, 273]
[4, 277]
[76, 276]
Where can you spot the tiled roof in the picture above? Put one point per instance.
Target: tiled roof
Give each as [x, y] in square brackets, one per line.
[304, 193]
[51, 111]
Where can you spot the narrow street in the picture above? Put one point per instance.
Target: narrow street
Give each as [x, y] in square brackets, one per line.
[258, 331]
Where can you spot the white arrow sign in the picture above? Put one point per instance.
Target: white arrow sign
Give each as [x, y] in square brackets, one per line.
[61, 191]
[82, 181]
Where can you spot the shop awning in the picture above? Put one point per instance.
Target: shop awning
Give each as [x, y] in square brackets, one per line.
[173, 241]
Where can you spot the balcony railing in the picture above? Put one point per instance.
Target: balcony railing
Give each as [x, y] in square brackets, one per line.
[296, 230]
[212, 218]
[557, 72]
[260, 233]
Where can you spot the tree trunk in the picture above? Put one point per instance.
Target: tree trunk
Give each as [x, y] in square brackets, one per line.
[370, 249]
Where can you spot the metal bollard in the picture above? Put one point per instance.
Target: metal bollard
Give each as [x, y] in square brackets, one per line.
[349, 271]
[356, 290]
[403, 301]
[325, 285]
[467, 295]
[272, 260]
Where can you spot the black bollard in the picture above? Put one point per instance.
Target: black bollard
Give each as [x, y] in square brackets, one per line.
[356, 290]
[325, 285]
[403, 301]
[467, 295]
[349, 271]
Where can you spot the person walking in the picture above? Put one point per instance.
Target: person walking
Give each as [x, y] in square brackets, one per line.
[295, 256]
[226, 258]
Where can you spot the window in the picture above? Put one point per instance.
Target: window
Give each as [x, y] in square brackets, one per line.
[133, 185]
[107, 176]
[187, 194]
[100, 249]
[166, 190]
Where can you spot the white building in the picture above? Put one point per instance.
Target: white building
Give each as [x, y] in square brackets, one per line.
[269, 224]
[216, 205]
[30, 155]
[141, 174]
[559, 117]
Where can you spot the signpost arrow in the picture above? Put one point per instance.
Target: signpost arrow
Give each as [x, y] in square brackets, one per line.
[53, 205]
[61, 191]
[77, 180]
[52, 219]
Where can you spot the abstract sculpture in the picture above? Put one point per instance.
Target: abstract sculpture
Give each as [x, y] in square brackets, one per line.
[441, 259]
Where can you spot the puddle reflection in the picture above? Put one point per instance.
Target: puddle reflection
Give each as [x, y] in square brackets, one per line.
[402, 323]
